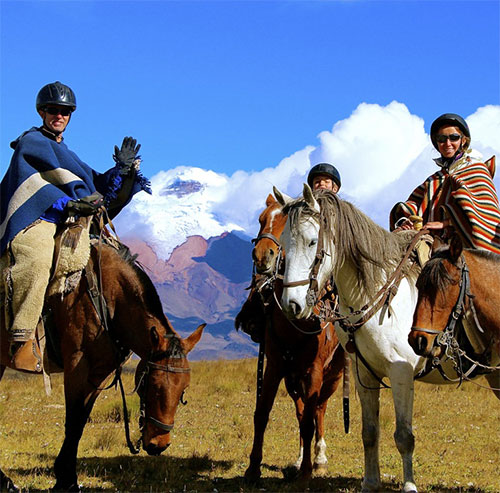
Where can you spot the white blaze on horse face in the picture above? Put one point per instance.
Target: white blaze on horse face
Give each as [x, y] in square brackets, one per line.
[300, 246]
[274, 213]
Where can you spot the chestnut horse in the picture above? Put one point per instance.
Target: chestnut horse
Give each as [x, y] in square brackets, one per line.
[457, 315]
[306, 355]
[92, 347]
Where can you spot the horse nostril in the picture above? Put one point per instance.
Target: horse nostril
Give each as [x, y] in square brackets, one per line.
[295, 308]
[254, 257]
[421, 345]
[155, 450]
[271, 252]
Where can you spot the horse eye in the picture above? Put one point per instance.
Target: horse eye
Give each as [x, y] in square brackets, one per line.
[313, 242]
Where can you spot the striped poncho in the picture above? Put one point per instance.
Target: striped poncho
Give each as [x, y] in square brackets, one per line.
[465, 194]
[43, 171]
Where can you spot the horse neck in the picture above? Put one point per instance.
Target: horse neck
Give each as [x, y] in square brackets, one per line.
[134, 302]
[484, 278]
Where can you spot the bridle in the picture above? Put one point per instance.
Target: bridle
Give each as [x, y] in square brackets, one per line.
[141, 389]
[447, 338]
[143, 383]
[312, 280]
[279, 256]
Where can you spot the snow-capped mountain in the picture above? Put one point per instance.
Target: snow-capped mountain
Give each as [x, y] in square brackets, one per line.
[180, 206]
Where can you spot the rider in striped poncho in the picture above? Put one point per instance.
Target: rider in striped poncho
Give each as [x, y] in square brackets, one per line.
[461, 194]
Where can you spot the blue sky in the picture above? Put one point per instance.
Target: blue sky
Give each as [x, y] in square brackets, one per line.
[230, 86]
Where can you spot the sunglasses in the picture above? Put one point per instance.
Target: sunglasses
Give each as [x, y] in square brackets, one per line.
[452, 138]
[59, 111]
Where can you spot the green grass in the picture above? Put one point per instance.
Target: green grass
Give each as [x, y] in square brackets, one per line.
[457, 438]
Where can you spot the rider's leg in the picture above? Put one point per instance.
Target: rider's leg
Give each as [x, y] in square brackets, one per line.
[31, 261]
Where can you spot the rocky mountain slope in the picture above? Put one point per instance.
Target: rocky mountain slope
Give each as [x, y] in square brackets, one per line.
[203, 281]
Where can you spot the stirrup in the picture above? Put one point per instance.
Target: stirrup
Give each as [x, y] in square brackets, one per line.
[27, 357]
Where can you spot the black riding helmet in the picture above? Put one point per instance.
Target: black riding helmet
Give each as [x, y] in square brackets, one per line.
[449, 119]
[55, 93]
[324, 169]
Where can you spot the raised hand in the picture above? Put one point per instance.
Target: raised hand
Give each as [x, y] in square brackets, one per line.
[127, 154]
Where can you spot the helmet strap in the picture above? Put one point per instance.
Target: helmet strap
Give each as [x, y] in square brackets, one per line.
[50, 133]
[57, 136]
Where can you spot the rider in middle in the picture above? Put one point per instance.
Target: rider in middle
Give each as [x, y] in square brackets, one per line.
[324, 176]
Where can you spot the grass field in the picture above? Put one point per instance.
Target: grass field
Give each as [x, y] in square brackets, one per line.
[457, 438]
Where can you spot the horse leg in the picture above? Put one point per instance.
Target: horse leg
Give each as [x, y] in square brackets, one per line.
[331, 381]
[80, 397]
[320, 459]
[6, 484]
[312, 385]
[369, 396]
[270, 384]
[299, 412]
[401, 375]
[494, 381]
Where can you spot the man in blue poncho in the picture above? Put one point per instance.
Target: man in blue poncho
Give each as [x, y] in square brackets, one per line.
[45, 187]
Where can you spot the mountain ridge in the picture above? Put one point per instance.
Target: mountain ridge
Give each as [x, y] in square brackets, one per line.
[203, 280]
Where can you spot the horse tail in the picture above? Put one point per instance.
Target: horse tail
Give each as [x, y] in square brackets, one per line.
[346, 390]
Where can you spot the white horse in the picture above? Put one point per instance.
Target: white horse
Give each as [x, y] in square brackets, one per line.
[360, 256]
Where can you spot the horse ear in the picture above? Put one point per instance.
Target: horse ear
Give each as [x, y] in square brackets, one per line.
[270, 200]
[190, 342]
[155, 338]
[281, 197]
[309, 197]
[436, 243]
[456, 247]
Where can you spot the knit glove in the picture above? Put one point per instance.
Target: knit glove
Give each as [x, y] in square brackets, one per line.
[126, 156]
[86, 206]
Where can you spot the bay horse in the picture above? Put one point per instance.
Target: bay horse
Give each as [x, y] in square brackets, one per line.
[306, 355]
[325, 236]
[90, 349]
[458, 311]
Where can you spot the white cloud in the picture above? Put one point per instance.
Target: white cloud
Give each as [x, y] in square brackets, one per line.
[372, 147]
[484, 127]
[382, 153]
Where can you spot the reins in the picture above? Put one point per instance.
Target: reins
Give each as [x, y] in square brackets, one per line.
[286, 355]
[384, 296]
[93, 275]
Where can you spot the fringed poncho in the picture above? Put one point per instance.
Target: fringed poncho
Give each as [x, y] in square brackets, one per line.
[465, 194]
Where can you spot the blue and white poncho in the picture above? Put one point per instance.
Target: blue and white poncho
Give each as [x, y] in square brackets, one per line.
[43, 171]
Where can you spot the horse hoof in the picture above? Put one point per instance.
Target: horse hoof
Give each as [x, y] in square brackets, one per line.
[252, 476]
[320, 469]
[71, 488]
[409, 488]
[367, 487]
[8, 485]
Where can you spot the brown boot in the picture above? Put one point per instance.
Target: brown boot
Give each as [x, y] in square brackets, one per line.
[26, 356]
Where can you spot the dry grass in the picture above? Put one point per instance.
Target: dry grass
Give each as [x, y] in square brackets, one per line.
[457, 438]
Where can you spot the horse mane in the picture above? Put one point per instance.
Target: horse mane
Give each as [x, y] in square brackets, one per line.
[434, 277]
[150, 294]
[370, 249]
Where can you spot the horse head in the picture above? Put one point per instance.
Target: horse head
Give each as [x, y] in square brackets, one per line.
[161, 380]
[438, 290]
[267, 251]
[306, 269]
